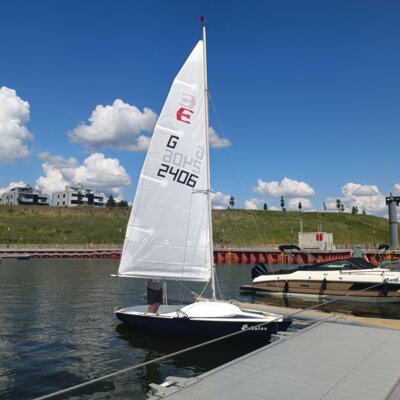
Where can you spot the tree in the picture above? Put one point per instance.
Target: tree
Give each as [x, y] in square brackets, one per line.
[354, 210]
[79, 197]
[122, 203]
[283, 204]
[338, 204]
[111, 202]
[342, 207]
[324, 205]
[265, 207]
[232, 201]
[364, 213]
[300, 206]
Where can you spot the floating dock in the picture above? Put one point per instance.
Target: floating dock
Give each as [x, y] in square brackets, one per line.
[324, 361]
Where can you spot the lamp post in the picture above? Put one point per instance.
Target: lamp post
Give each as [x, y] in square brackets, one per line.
[392, 202]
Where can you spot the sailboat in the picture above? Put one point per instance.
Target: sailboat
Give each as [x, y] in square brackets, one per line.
[169, 233]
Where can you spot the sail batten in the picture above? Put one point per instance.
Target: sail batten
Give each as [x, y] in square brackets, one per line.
[168, 233]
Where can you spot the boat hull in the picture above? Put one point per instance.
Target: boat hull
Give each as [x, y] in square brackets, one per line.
[203, 329]
[350, 290]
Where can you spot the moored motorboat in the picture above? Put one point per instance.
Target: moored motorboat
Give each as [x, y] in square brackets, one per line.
[352, 278]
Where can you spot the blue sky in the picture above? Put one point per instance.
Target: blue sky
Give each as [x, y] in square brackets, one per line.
[307, 95]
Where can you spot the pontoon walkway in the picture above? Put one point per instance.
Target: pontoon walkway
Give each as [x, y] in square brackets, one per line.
[324, 361]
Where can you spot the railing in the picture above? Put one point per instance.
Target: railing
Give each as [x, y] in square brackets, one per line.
[217, 246]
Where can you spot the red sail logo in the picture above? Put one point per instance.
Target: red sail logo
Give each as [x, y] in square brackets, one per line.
[182, 115]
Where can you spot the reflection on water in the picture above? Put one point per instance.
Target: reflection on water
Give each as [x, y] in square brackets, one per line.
[159, 346]
[57, 329]
[357, 308]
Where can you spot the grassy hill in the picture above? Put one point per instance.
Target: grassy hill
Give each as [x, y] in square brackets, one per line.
[46, 225]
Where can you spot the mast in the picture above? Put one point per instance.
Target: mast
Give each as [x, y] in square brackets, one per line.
[208, 159]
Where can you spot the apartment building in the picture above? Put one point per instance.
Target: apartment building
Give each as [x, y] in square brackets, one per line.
[25, 195]
[78, 195]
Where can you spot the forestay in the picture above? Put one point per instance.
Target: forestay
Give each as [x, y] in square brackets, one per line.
[168, 231]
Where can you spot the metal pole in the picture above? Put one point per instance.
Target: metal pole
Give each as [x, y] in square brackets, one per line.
[392, 202]
[208, 159]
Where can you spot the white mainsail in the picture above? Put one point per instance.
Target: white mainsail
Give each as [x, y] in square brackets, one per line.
[168, 234]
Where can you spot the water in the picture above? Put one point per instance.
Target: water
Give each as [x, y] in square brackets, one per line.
[57, 329]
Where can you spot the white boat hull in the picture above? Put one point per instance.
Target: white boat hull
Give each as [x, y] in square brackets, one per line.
[368, 285]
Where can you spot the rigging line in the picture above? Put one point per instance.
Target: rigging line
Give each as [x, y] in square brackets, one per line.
[196, 295]
[216, 115]
[204, 289]
[181, 293]
[165, 292]
[176, 353]
[117, 290]
[218, 285]
[263, 245]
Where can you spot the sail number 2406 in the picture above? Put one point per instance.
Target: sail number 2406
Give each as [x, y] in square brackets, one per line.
[177, 164]
[179, 175]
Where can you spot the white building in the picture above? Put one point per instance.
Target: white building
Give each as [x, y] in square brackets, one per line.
[316, 240]
[78, 195]
[25, 195]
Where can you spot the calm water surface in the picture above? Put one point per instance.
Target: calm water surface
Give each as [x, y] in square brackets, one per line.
[57, 329]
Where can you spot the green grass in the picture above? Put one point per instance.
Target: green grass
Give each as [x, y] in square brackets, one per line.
[45, 225]
[80, 225]
[276, 227]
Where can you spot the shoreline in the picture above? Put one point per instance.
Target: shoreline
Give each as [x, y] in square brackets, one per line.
[229, 255]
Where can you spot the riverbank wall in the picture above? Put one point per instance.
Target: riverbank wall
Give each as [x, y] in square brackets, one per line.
[233, 255]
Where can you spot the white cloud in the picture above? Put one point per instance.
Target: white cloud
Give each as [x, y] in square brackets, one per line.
[253, 204]
[216, 141]
[287, 187]
[306, 204]
[119, 125]
[96, 172]
[14, 115]
[220, 200]
[357, 190]
[53, 181]
[365, 197]
[330, 204]
[396, 188]
[11, 186]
